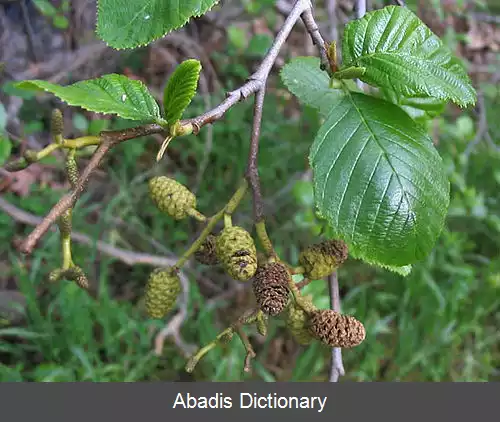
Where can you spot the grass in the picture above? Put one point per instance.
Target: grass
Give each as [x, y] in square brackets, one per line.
[438, 324]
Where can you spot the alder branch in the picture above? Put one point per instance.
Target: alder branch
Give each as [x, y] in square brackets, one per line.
[256, 83]
[126, 256]
[336, 365]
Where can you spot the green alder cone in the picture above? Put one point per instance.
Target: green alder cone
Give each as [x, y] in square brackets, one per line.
[270, 286]
[171, 197]
[236, 251]
[323, 259]
[336, 330]
[162, 289]
[297, 322]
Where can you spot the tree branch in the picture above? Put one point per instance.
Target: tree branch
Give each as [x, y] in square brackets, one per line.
[252, 173]
[336, 364]
[255, 84]
[108, 141]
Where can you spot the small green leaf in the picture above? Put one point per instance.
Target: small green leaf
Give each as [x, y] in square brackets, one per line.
[180, 89]
[304, 78]
[379, 181]
[130, 24]
[110, 94]
[401, 53]
[351, 72]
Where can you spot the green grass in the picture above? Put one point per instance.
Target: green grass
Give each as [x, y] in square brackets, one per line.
[438, 324]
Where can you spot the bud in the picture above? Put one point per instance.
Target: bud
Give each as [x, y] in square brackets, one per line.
[335, 329]
[323, 258]
[72, 169]
[237, 253]
[171, 197]
[270, 286]
[162, 290]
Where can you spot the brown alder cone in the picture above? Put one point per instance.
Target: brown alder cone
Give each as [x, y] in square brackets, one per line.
[206, 254]
[335, 329]
[270, 286]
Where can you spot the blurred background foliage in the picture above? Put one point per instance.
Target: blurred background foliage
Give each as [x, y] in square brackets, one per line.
[438, 324]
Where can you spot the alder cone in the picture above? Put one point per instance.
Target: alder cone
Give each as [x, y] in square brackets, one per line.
[236, 251]
[206, 253]
[297, 322]
[336, 329]
[270, 286]
[171, 197]
[162, 290]
[324, 258]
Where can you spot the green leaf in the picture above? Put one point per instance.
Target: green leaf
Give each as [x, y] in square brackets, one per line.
[5, 148]
[379, 182]
[304, 78]
[401, 53]
[130, 24]
[180, 89]
[419, 108]
[110, 94]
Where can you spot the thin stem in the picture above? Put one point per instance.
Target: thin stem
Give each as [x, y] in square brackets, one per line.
[304, 304]
[252, 173]
[227, 210]
[228, 221]
[266, 243]
[248, 347]
[82, 142]
[336, 365]
[196, 215]
[109, 140]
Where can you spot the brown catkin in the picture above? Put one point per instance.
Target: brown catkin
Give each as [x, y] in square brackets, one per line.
[171, 197]
[336, 329]
[236, 251]
[77, 275]
[162, 289]
[323, 259]
[270, 286]
[206, 253]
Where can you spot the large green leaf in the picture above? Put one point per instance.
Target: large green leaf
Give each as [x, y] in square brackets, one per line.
[180, 89]
[420, 108]
[399, 52]
[378, 181]
[304, 79]
[110, 94]
[132, 23]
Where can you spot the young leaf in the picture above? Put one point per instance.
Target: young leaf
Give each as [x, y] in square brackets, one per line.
[401, 53]
[304, 79]
[180, 89]
[110, 94]
[379, 182]
[130, 24]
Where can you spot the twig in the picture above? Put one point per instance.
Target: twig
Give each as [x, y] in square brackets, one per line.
[125, 256]
[252, 173]
[336, 364]
[109, 140]
[360, 12]
[255, 84]
[331, 8]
